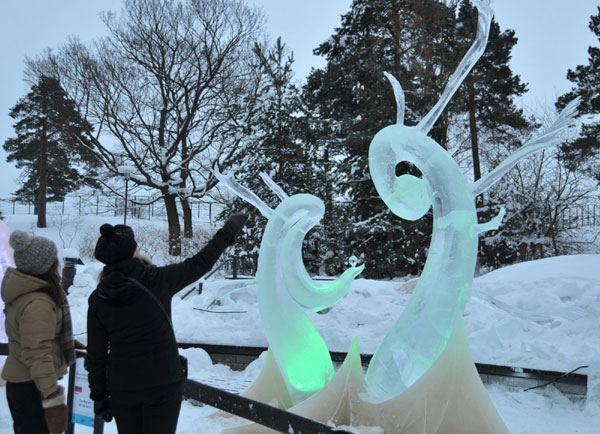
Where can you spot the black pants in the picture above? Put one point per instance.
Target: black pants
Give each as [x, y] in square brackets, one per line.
[147, 411]
[26, 409]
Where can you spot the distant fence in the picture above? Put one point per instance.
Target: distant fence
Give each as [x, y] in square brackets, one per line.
[205, 211]
[581, 216]
[137, 207]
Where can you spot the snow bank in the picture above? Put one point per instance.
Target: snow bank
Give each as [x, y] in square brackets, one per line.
[543, 314]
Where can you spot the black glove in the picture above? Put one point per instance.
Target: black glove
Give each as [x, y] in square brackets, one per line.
[102, 409]
[235, 222]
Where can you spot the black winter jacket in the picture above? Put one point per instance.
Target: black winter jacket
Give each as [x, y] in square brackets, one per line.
[130, 343]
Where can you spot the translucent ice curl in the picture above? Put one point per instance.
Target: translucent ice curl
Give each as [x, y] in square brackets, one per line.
[424, 328]
[285, 289]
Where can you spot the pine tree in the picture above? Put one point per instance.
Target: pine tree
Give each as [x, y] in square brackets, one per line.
[273, 147]
[51, 146]
[351, 101]
[582, 153]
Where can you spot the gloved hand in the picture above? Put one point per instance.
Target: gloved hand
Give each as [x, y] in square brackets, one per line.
[55, 411]
[79, 346]
[102, 409]
[236, 222]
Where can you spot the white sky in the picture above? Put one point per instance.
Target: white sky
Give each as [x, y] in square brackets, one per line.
[553, 37]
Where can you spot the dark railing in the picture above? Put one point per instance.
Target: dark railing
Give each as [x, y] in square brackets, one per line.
[254, 411]
[281, 420]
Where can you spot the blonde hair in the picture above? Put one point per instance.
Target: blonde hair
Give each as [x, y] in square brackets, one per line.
[145, 259]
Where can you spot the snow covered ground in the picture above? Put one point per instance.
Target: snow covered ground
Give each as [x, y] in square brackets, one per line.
[543, 314]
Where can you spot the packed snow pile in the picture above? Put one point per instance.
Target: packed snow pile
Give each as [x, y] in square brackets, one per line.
[542, 314]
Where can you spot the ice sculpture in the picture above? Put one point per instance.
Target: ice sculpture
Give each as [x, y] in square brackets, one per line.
[422, 379]
[285, 289]
[423, 330]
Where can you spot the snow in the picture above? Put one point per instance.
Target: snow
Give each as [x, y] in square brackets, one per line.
[543, 314]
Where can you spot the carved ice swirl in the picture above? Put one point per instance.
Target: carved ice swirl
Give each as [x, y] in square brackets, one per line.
[424, 328]
[285, 290]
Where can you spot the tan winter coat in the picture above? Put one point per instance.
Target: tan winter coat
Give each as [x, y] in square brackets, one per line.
[33, 325]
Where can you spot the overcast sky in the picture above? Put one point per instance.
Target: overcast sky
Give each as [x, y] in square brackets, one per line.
[553, 37]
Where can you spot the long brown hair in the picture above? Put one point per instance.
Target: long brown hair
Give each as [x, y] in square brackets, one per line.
[54, 288]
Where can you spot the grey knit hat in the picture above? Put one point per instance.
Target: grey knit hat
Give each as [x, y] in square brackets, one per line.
[33, 255]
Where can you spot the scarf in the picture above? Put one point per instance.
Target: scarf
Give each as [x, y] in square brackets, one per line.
[67, 345]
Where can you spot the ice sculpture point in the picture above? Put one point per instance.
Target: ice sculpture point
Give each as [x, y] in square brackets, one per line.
[547, 137]
[400, 99]
[241, 191]
[493, 224]
[485, 14]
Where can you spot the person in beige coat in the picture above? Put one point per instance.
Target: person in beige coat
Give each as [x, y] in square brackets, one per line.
[40, 339]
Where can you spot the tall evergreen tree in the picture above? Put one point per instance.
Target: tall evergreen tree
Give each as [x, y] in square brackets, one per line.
[273, 147]
[351, 100]
[421, 43]
[583, 152]
[51, 146]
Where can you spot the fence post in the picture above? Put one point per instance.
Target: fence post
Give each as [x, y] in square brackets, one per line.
[68, 272]
[97, 203]
[210, 212]
[98, 425]
[14, 203]
[234, 267]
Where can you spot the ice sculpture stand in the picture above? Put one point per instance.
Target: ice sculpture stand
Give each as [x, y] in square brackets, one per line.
[447, 399]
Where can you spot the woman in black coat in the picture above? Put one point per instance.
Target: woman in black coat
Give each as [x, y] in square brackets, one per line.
[134, 368]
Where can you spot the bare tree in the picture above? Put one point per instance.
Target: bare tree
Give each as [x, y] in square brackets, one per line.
[539, 194]
[166, 91]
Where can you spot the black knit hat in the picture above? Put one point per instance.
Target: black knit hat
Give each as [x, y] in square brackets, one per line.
[115, 244]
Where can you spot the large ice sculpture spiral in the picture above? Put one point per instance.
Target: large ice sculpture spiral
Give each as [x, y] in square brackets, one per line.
[423, 330]
[285, 289]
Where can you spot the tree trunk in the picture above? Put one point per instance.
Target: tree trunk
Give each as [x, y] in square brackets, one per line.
[174, 226]
[474, 152]
[188, 230]
[473, 132]
[43, 174]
